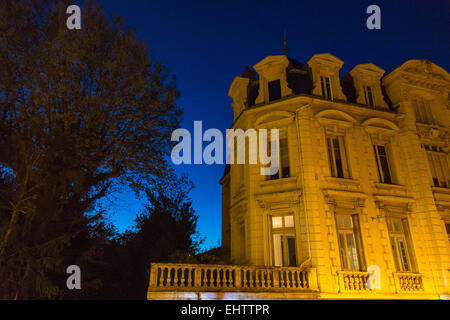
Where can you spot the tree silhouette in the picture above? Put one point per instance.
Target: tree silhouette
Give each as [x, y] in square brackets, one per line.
[165, 231]
[81, 112]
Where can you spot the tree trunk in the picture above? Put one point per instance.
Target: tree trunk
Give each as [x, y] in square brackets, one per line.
[8, 232]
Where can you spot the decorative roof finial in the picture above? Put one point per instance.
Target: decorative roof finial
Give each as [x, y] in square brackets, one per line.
[286, 51]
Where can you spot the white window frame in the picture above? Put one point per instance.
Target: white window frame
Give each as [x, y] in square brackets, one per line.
[285, 233]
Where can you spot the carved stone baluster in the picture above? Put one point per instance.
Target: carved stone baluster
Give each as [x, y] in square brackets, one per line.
[276, 279]
[176, 276]
[237, 277]
[182, 278]
[358, 282]
[346, 281]
[282, 279]
[197, 277]
[297, 279]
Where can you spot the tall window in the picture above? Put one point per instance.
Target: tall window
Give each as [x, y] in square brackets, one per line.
[438, 161]
[368, 96]
[350, 247]
[283, 241]
[381, 157]
[274, 90]
[337, 157]
[423, 112]
[398, 235]
[327, 90]
[283, 160]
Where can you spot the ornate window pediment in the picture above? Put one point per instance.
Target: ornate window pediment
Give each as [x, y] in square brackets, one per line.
[380, 129]
[274, 118]
[272, 69]
[325, 73]
[335, 121]
[366, 79]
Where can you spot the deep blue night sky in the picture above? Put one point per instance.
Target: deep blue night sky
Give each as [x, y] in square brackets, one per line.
[207, 43]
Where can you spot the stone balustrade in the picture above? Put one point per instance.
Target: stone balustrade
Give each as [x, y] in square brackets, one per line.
[353, 280]
[203, 277]
[408, 282]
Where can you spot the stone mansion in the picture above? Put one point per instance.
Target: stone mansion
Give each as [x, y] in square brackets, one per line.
[363, 180]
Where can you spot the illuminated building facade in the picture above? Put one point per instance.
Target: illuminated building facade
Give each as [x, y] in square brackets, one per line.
[363, 180]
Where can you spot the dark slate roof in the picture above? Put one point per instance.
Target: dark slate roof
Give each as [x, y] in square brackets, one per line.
[226, 170]
[298, 76]
[348, 88]
[249, 73]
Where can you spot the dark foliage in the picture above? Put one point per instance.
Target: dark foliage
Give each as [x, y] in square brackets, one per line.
[81, 112]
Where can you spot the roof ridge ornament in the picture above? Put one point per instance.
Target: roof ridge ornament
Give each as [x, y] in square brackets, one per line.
[286, 51]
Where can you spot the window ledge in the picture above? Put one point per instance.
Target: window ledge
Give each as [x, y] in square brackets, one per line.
[380, 185]
[440, 190]
[280, 180]
[343, 180]
[441, 196]
[430, 125]
[393, 198]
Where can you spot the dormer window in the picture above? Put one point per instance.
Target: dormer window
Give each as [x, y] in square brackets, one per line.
[368, 96]
[366, 81]
[327, 91]
[274, 90]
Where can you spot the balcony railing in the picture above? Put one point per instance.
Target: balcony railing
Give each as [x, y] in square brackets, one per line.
[353, 280]
[200, 277]
[408, 282]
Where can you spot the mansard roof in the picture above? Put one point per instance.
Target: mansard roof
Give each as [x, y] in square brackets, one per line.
[299, 76]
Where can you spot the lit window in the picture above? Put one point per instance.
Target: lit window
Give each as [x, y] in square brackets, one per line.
[283, 241]
[274, 90]
[337, 157]
[349, 241]
[327, 91]
[289, 221]
[368, 96]
[277, 222]
[398, 237]
[382, 164]
[438, 161]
